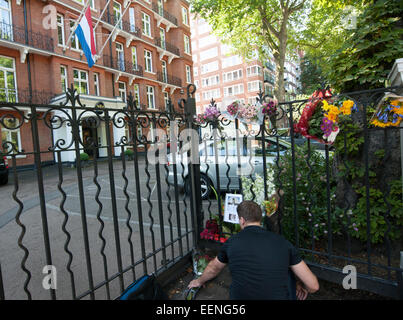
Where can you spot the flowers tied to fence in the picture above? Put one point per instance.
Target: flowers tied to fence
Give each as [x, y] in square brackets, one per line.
[389, 113]
[245, 113]
[321, 116]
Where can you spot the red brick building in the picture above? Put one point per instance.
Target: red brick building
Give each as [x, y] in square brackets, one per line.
[148, 54]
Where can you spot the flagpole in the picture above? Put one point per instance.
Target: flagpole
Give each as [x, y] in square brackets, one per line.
[76, 24]
[112, 32]
[102, 13]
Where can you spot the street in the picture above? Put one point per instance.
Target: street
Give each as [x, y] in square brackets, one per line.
[158, 229]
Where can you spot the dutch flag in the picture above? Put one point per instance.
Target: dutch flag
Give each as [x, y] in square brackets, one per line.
[85, 34]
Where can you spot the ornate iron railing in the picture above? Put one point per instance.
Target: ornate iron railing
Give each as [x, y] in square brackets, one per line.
[167, 78]
[18, 34]
[166, 46]
[165, 14]
[122, 65]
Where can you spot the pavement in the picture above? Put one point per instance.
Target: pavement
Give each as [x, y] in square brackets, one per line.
[22, 250]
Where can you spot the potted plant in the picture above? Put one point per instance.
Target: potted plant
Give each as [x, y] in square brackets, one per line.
[84, 157]
[129, 153]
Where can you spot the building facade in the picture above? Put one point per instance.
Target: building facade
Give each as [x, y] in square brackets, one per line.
[219, 74]
[143, 48]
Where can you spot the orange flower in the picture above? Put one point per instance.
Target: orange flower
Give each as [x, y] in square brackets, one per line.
[346, 107]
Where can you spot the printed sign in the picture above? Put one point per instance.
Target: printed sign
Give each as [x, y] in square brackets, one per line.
[231, 203]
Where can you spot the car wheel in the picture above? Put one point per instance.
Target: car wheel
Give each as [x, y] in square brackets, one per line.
[4, 180]
[205, 186]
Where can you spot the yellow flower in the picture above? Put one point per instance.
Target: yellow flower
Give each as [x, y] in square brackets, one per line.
[346, 107]
[325, 106]
[398, 110]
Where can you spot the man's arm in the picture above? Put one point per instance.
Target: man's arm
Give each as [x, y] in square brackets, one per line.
[302, 271]
[211, 271]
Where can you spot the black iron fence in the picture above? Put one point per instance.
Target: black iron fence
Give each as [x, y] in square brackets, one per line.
[340, 203]
[101, 223]
[18, 34]
[115, 219]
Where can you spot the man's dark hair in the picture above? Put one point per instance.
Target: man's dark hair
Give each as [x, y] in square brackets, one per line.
[250, 211]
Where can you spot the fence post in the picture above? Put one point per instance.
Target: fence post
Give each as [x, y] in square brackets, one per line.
[194, 168]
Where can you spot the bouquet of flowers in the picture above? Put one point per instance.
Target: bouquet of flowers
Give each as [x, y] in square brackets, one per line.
[248, 114]
[211, 114]
[270, 107]
[320, 120]
[233, 109]
[389, 112]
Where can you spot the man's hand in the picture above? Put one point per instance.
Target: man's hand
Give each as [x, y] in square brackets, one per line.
[195, 284]
[302, 293]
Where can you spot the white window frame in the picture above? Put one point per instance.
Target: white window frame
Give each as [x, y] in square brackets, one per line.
[150, 97]
[185, 16]
[257, 71]
[166, 99]
[64, 78]
[146, 23]
[186, 44]
[119, 11]
[122, 91]
[148, 61]
[96, 84]
[164, 71]
[134, 57]
[79, 80]
[83, 2]
[136, 90]
[13, 69]
[74, 39]
[9, 132]
[60, 28]
[253, 83]
[132, 19]
[188, 74]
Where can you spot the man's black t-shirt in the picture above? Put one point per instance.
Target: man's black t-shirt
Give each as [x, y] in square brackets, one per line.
[259, 261]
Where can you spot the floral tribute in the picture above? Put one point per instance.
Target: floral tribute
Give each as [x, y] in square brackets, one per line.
[211, 114]
[246, 113]
[389, 113]
[320, 117]
[212, 232]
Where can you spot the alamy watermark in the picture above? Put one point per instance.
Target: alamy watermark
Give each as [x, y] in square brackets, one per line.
[350, 280]
[50, 280]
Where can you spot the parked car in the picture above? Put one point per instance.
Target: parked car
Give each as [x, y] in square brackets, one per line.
[3, 170]
[250, 158]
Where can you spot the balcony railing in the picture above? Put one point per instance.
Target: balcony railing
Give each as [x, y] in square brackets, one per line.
[123, 24]
[269, 79]
[270, 66]
[123, 65]
[166, 46]
[33, 39]
[24, 96]
[166, 78]
[165, 14]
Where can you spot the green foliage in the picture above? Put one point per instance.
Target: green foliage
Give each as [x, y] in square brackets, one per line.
[384, 203]
[311, 75]
[369, 51]
[129, 153]
[84, 156]
[312, 200]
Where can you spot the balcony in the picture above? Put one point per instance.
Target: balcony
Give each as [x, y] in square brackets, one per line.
[164, 16]
[123, 25]
[33, 39]
[123, 65]
[269, 79]
[167, 48]
[24, 96]
[270, 66]
[168, 79]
